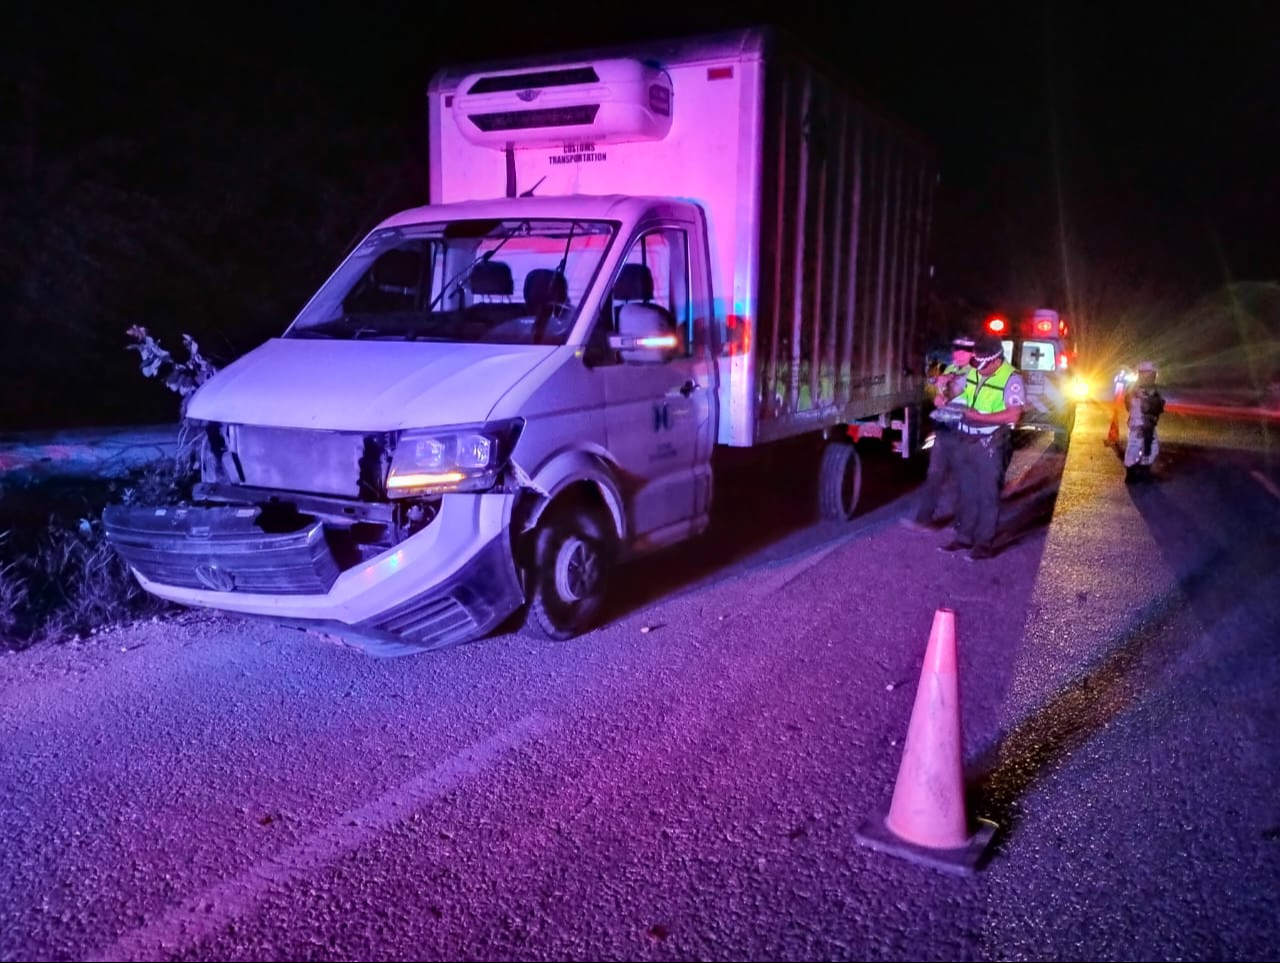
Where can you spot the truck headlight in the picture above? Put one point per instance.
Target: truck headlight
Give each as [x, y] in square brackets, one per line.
[432, 461]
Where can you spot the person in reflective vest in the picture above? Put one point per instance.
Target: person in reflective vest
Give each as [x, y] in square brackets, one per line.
[948, 385]
[994, 396]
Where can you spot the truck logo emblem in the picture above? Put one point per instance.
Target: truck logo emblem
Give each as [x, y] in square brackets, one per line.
[212, 577]
[528, 95]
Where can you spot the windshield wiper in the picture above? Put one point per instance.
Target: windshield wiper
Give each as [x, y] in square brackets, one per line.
[544, 313]
[462, 275]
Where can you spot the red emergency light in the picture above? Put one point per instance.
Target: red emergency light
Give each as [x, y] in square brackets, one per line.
[997, 325]
[1044, 326]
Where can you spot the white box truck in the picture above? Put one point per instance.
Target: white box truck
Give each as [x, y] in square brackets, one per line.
[630, 256]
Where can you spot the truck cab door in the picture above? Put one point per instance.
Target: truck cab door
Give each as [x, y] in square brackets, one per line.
[651, 345]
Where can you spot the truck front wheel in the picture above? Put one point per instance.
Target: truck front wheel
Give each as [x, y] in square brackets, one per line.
[573, 550]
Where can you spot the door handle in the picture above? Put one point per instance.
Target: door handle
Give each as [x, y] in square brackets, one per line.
[688, 388]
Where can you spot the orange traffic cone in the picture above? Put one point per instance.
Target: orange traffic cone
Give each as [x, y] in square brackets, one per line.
[1113, 431]
[926, 821]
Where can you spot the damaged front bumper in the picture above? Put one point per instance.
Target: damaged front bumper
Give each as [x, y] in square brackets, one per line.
[453, 581]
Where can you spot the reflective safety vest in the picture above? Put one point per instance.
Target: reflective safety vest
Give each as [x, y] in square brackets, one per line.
[987, 394]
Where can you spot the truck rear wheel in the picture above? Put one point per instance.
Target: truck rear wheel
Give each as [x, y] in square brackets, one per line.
[572, 552]
[839, 481]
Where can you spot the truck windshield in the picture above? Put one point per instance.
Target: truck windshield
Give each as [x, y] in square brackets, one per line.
[472, 281]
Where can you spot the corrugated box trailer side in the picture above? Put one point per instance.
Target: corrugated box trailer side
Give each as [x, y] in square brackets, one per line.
[846, 206]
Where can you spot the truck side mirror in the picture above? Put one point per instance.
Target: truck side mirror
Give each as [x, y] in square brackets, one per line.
[646, 335]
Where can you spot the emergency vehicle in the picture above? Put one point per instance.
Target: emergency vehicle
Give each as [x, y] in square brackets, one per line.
[1039, 345]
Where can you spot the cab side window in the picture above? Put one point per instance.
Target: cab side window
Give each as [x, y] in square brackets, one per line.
[655, 272]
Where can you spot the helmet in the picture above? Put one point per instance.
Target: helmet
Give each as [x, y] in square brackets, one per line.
[986, 350]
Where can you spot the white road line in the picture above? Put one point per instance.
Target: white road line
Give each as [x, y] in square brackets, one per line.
[199, 916]
[1266, 483]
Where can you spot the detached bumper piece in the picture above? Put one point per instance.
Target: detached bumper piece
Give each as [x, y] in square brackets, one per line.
[483, 593]
[465, 607]
[222, 550]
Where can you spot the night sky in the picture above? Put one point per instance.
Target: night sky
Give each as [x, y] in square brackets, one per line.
[203, 168]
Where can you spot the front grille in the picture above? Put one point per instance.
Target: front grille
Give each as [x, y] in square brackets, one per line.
[221, 549]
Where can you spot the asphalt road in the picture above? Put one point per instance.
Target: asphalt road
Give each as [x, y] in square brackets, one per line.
[686, 782]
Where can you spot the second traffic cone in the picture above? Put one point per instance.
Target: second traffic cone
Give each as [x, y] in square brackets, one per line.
[1113, 431]
[926, 820]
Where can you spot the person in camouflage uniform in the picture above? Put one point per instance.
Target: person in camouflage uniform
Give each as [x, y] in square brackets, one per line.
[1144, 405]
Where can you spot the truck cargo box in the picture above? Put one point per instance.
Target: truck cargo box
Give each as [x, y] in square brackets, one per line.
[818, 203]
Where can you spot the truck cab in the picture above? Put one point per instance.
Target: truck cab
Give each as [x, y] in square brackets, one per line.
[496, 399]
